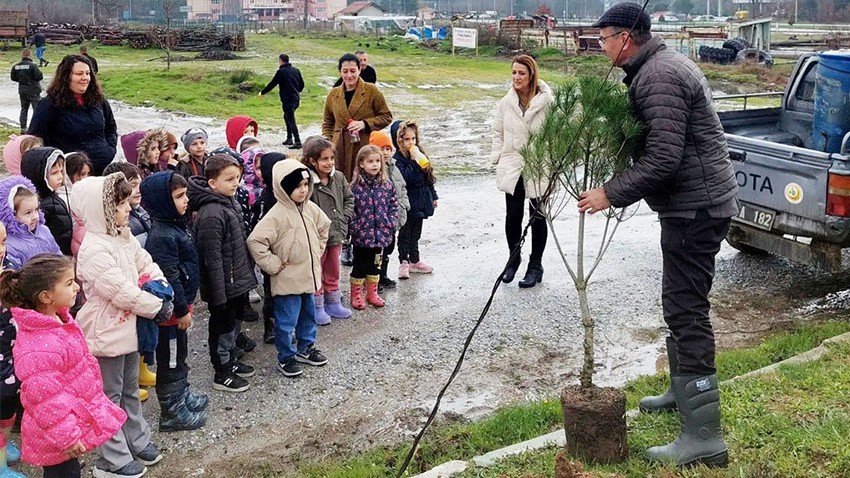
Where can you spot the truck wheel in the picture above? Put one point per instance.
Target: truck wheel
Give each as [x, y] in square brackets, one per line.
[745, 248]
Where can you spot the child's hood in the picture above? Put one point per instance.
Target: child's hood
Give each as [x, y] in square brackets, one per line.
[156, 196]
[236, 126]
[280, 171]
[130, 143]
[249, 157]
[394, 133]
[36, 164]
[12, 153]
[267, 166]
[93, 202]
[8, 188]
[201, 194]
[29, 320]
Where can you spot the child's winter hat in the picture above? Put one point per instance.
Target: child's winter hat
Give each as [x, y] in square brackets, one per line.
[380, 139]
[293, 179]
[191, 135]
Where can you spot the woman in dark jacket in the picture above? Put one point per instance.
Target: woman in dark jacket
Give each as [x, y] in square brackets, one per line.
[75, 116]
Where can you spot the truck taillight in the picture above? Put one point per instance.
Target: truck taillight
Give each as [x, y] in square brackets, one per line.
[838, 195]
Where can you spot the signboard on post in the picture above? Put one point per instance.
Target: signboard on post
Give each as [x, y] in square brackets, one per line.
[465, 38]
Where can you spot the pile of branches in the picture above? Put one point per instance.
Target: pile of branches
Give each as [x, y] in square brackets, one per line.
[194, 39]
[105, 34]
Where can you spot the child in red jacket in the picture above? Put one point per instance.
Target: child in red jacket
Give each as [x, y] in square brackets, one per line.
[66, 412]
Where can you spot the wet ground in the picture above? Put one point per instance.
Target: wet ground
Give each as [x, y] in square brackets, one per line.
[386, 366]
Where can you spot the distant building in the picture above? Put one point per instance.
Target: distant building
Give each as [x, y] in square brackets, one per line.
[361, 9]
[426, 14]
[231, 10]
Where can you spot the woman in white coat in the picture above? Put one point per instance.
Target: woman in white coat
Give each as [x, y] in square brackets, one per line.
[521, 111]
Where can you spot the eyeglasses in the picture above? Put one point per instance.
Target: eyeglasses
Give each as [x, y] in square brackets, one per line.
[602, 39]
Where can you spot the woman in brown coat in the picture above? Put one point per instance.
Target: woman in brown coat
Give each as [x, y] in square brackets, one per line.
[352, 111]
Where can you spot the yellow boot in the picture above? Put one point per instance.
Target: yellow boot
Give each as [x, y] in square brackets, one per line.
[146, 377]
[143, 394]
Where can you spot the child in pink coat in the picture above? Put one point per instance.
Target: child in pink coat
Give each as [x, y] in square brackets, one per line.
[66, 412]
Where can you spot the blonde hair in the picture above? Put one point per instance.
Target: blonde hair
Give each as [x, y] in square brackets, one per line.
[530, 64]
[30, 142]
[364, 153]
[414, 126]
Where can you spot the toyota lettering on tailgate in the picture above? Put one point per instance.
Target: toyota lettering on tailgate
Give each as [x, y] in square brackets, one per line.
[754, 182]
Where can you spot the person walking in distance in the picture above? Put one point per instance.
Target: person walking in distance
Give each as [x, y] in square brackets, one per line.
[40, 43]
[27, 75]
[290, 85]
[681, 168]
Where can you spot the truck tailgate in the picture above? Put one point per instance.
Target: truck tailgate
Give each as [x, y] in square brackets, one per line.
[787, 180]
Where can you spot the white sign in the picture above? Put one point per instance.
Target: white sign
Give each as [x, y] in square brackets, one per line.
[185, 8]
[465, 37]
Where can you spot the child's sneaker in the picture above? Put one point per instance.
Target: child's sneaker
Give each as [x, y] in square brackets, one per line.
[245, 343]
[134, 469]
[290, 368]
[311, 356]
[242, 369]
[404, 270]
[230, 382]
[149, 456]
[421, 268]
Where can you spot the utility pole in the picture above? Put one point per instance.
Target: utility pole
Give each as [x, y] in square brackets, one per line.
[93, 20]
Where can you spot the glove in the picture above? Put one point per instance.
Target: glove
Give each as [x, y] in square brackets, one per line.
[165, 312]
[161, 289]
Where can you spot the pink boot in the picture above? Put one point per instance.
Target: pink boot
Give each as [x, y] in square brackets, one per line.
[356, 295]
[372, 296]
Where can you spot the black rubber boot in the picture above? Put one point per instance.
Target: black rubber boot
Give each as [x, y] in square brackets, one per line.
[667, 400]
[174, 414]
[385, 282]
[700, 440]
[533, 275]
[511, 269]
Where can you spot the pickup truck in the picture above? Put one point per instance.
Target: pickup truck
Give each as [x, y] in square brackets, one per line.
[795, 201]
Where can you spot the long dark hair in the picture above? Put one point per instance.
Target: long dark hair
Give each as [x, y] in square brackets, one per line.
[61, 93]
[20, 288]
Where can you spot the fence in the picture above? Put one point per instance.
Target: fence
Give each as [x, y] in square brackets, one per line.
[249, 25]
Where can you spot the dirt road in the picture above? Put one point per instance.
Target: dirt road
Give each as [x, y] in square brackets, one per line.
[386, 366]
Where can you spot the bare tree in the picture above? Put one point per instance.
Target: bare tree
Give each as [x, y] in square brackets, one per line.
[167, 41]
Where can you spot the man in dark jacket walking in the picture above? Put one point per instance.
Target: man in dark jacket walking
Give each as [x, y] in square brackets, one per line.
[40, 43]
[27, 75]
[290, 85]
[683, 172]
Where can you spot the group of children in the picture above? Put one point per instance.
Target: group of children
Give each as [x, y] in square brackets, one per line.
[147, 237]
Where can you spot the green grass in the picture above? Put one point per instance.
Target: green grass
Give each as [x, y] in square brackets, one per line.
[792, 424]
[520, 422]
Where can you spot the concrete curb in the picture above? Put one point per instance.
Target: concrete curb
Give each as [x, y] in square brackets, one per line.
[559, 438]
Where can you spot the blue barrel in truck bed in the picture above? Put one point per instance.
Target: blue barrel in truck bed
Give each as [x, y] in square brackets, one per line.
[831, 119]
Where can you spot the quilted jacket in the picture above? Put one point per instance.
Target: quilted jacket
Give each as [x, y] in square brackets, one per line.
[375, 212]
[21, 243]
[61, 389]
[109, 264]
[337, 203]
[683, 164]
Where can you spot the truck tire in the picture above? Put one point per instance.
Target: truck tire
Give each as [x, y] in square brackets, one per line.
[722, 56]
[751, 55]
[736, 44]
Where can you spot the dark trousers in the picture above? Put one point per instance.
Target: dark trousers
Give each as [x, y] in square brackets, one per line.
[367, 262]
[66, 469]
[408, 240]
[385, 256]
[289, 108]
[514, 211]
[688, 247]
[222, 336]
[268, 300]
[172, 349]
[27, 100]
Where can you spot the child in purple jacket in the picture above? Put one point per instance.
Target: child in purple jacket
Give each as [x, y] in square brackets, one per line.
[24, 221]
[373, 225]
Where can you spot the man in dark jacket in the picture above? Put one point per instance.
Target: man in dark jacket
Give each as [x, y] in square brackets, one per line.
[290, 85]
[40, 43]
[27, 76]
[682, 171]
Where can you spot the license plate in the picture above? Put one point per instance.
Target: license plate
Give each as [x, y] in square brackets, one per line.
[756, 216]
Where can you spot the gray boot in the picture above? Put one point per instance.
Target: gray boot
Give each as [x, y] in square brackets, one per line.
[667, 400]
[700, 439]
[174, 414]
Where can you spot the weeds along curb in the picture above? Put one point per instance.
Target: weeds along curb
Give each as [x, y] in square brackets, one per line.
[558, 437]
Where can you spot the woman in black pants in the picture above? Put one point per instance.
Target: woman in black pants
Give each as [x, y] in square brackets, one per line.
[520, 111]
